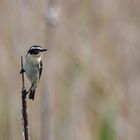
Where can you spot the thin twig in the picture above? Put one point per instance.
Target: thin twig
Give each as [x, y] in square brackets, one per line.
[22, 73]
[24, 105]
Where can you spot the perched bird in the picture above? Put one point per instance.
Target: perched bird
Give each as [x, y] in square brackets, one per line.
[33, 67]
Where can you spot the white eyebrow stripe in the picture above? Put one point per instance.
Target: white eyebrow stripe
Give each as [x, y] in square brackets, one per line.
[39, 48]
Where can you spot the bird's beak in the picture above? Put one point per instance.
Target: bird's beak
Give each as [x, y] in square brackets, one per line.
[43, 50]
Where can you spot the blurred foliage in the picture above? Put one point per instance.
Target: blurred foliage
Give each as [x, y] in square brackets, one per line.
[108, 126]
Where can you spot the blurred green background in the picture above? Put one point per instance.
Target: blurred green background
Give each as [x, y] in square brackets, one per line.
[90, 86]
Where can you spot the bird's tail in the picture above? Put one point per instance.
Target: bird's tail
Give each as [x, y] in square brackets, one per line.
[32, 94]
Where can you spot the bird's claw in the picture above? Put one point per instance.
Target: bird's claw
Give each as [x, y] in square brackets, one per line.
[22, 71]
[24, 92]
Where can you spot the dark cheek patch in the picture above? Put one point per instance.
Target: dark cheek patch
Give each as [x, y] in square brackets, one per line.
[34, 52]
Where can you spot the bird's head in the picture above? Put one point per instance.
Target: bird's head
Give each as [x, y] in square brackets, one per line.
[36, 50]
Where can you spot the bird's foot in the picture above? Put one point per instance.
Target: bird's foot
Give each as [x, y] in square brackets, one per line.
[22, 71]
[24, 92]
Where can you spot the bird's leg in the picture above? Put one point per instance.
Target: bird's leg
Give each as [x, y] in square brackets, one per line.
[30, 88]
[33, 84]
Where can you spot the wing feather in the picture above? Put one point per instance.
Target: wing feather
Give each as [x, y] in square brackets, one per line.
[40, 69]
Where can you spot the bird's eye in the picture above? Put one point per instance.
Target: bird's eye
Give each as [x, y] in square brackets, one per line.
[34, 51]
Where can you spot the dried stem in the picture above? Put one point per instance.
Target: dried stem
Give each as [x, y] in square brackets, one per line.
[24, 105]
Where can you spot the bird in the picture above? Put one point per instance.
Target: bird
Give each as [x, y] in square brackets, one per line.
[33, 67]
